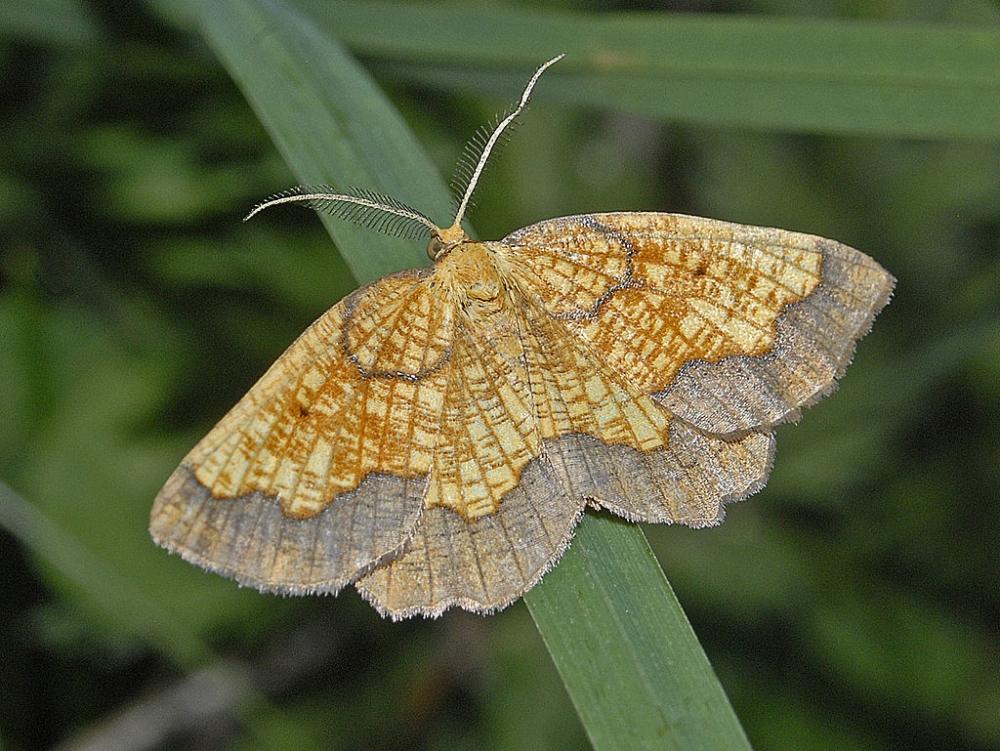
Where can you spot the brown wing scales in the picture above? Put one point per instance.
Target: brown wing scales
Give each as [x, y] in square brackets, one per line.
[731, 327]
[599, 440]
[487, 432]
[435, 436]
[482, 565]
[614, 445]
[399, 327]
[320, 470]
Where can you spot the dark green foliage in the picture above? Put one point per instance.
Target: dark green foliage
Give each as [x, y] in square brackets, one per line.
[852, 604]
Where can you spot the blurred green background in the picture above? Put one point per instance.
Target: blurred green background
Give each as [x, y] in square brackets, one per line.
[853, 604]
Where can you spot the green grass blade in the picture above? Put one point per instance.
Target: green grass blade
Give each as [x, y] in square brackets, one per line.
[808, 74]
[627, 654]
[609, 596]
[330, 124]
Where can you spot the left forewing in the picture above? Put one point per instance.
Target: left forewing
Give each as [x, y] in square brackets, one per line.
[319, 472]
[731, 327]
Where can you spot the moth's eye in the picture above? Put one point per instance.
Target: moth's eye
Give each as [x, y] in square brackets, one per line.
[434, 247]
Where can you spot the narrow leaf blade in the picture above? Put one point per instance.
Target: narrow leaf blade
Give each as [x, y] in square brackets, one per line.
[797, 74]
[633, 666]
[329, 123]
[657, 668]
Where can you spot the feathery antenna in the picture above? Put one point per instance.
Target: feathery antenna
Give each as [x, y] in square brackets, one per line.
[366, 207]
[487, 147]
[389, 216]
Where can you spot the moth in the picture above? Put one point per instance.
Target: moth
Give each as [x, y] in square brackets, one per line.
[435, 436]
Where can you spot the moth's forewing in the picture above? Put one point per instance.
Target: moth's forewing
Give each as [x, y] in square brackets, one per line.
[731, 327]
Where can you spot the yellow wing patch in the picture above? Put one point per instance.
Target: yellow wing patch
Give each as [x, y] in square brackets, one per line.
[335, 408]
[675, 288]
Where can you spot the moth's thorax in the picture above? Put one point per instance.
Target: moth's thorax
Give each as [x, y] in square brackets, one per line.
[470, 275]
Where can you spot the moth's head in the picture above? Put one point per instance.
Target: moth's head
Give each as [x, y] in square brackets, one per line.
[443, 241]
